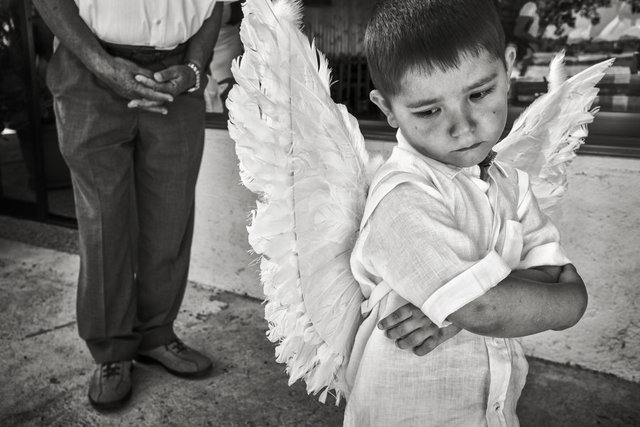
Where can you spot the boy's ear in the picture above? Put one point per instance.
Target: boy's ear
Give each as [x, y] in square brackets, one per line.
[383, 104]
[510, 59]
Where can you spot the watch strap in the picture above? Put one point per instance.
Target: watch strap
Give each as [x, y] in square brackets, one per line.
[196, 71]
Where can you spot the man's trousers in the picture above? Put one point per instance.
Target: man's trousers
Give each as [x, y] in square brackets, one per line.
[134, 174]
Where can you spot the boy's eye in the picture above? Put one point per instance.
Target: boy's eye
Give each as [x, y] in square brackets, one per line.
[481, 94]
[428, 113]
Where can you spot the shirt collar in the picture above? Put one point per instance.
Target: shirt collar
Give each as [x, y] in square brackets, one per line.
[449, 171]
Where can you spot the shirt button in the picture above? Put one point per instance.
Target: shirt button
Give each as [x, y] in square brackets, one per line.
[497, 407]
[496, 341]
[158, 21]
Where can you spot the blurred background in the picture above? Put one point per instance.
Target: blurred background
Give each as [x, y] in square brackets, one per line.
[34, 182]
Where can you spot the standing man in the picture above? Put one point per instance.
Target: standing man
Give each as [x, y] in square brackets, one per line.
[128, 81]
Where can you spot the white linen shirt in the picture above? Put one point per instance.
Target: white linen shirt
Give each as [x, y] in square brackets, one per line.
[440, 239]
[162, 24]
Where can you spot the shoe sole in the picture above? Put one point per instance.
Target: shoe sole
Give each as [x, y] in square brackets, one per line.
[146, 360]
[109, 406]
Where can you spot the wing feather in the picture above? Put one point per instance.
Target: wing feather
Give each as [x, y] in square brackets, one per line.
[305, 158]
[545, 137]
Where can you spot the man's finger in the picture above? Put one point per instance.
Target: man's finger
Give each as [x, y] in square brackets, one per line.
[400, 315]
[170, 87]
[137, 103]
[158, 110]
[166, 74]
[148, 105]
[147, 81]
[153, 95]
[157, 86]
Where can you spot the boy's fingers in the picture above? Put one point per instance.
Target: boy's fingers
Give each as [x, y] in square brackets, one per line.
[399, 331]
[408, 326]
[425, 347]
[569, 274]
[400, 315]
[415, 338]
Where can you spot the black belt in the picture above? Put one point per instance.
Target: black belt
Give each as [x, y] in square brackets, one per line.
[143, 54]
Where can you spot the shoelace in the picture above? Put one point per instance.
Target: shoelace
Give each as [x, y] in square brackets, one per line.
[110, 369]
[177, 346]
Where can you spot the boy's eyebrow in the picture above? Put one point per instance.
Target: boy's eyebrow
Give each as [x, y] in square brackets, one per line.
[423, 102]
[481, 82]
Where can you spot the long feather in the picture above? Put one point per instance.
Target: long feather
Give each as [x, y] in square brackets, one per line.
[305, 158]
[557, 72]
[545, 137]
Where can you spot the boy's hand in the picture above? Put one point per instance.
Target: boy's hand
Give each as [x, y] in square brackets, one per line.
[414, 331]
[569, 274]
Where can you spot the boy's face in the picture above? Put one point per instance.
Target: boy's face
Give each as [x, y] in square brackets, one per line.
[454, 116]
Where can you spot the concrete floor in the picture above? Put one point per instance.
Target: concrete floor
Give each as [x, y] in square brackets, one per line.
[43, 380]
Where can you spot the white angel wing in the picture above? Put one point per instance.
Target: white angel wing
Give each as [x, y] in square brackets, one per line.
[305, 158]
[546, 135]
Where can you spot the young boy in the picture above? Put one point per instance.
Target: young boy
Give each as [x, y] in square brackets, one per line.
[466, 245]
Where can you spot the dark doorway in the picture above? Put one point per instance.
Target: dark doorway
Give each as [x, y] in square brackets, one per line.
[34, 180]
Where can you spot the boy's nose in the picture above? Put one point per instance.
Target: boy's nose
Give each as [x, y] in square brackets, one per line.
[462, 123]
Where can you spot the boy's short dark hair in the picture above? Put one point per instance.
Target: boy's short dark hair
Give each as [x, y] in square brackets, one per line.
[426, 35]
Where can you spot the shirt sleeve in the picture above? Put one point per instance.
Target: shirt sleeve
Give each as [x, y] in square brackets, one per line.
[415, 245]
[541, 238]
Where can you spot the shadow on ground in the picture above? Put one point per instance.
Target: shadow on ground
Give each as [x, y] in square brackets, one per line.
[43, 380]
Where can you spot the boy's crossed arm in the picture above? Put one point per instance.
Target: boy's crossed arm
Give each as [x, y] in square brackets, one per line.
[526, 302]
[418, 247]
[519, 306]
[412, 330]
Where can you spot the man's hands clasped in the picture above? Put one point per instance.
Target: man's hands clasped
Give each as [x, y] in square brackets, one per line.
[173, 80]
[121, 76]
[145, 89]
[412, 330]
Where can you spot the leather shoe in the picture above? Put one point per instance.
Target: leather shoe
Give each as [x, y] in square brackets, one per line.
[178, 359]
[110, 385]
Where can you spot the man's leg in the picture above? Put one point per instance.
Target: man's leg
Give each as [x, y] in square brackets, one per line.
[96, 132]
[168, 156]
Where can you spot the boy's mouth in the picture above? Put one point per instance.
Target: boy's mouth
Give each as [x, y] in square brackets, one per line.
[471, 147]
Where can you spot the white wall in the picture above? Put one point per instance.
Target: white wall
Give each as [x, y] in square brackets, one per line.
[600, 225]
[220, 253]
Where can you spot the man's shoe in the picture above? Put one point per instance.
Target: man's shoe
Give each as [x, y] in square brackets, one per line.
[178, 359]
[110, 385]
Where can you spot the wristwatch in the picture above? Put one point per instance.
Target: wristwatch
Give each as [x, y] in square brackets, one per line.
[196, 71]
